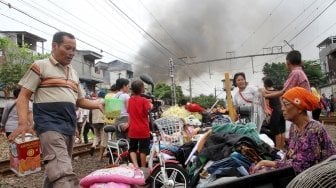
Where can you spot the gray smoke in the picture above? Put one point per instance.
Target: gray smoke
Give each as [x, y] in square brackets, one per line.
[204, 30]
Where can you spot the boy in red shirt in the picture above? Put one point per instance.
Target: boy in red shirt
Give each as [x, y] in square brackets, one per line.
[138, 131]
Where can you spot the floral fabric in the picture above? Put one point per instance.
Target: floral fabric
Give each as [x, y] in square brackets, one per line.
[307, 148]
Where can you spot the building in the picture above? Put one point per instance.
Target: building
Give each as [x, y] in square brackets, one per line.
[19, 38]
[83, 61]
[89, 75]
[22, 37]
[327, 56]
[113, 70]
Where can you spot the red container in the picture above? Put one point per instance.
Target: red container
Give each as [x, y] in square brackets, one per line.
[25, 156]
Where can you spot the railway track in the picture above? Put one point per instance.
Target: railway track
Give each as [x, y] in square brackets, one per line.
[328, 120]
[78, 150]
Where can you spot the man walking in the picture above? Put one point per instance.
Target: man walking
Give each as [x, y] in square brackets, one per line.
[57, 92]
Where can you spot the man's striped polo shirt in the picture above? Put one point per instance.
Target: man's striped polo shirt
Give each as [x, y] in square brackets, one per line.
[56, 89]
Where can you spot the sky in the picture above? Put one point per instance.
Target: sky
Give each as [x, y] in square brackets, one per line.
[147, 33]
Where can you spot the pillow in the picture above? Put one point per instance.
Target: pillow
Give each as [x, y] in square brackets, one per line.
[120, 174]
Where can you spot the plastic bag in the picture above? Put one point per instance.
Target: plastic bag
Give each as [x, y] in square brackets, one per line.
[113, 107]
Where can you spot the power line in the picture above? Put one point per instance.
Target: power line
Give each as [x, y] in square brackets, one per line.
[306, 27]
[330, 27]
[144, 58]
[23, 23]
[44, 23]
[189, 69]
[151, 42]
[161, 45]
[281, 56]
[262, 23]
[287, 26]
[163, 28]
[104, 16]
[70, 25]
[312, 21]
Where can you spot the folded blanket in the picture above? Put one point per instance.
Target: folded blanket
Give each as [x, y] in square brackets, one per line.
[121, 174]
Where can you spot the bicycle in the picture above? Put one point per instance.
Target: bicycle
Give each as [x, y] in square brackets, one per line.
[164, 173]
[167, 173]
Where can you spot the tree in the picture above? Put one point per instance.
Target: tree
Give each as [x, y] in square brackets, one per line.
[163, 91]
[16, 61]
[207, 101]
[314, 73]
[278, 73]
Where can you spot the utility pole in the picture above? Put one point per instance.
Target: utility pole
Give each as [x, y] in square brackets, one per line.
[190, 92]
[172, 76]
[186, 63]
[227, 86]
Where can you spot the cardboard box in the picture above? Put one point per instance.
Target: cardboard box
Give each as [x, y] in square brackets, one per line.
[25, 156]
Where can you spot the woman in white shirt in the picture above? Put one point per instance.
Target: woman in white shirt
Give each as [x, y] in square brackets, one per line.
[248, 101]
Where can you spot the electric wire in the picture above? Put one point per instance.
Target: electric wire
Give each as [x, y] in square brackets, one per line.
[57, 29]
[290, 23]
[107, 17]
[163, 28]
[304, 28]
[146, 32]
[161, 45]
[136, 28]
[189, 69]
[260, 25]
[71, 25]
[323, 32]
[104, 16]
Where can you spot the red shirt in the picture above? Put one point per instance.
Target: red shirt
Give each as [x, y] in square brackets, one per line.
[138, 108]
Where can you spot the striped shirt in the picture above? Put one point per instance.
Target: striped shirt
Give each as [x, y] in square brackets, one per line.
[56, 89]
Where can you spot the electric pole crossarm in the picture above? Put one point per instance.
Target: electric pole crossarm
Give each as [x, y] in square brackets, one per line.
[236, 57]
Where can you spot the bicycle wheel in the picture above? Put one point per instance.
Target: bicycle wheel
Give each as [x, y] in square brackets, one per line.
[176, 175]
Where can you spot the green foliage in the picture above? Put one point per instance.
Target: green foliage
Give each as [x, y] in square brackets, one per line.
[163, 91]
[11, 73]
[278, 73]
[17, 60]
[314, 73]
[207, 101]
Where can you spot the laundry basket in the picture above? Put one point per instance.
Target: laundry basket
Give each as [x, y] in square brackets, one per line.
[170, 128]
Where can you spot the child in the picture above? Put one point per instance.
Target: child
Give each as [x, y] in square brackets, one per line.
[138, 131]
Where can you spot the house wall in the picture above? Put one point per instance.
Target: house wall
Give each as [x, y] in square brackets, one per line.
[328, 61]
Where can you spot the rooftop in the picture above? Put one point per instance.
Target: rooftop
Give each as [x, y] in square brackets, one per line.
[326, 42]
[26, 34]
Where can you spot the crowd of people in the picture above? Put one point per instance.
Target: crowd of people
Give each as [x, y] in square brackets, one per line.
[291, 108]
[62, 112]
